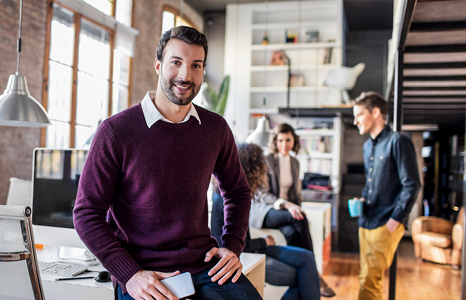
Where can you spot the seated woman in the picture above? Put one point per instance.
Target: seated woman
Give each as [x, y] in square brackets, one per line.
[280, 207]
[285, 266]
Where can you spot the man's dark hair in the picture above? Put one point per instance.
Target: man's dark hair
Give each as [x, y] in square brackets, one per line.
[186, 34]
[370, 100]
[283, 128]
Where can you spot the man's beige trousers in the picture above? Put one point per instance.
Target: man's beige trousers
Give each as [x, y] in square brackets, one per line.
[377, 247]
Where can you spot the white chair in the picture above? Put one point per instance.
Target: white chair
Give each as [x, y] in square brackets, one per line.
[344, 78]
[275, 233]
[20, 192]
[19, 273]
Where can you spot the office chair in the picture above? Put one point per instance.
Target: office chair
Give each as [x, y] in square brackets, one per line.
[20, 192]
[19, 273]
[344, 78]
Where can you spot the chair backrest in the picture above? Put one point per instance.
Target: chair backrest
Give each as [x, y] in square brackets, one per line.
[20, 192]
[344, 77]
[19, 274]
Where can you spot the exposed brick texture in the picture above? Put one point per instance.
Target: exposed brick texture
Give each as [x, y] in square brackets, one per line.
[16, 143]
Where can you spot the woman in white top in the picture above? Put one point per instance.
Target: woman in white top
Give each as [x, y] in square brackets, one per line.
[280, 208]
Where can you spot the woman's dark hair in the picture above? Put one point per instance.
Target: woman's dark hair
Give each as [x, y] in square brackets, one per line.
[283, 128]
[253, 162]
[186, 34]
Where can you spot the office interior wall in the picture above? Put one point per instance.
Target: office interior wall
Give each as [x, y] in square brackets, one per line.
[370, 47]
[214, 29]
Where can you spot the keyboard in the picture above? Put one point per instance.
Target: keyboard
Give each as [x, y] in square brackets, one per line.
[61, 268]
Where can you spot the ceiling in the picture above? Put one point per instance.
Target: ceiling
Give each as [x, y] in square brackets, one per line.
[360, 14]
[434, 68]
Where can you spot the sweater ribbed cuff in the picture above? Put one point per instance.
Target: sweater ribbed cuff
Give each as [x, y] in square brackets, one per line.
[123, 268]
[233, 244]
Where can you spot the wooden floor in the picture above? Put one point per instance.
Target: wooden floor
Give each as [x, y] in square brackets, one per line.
[415, 279]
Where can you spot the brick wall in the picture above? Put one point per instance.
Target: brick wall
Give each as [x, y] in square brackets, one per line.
[16, 143]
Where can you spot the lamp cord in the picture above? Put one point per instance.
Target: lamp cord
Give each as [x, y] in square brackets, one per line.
[265, 56]
[18, 45]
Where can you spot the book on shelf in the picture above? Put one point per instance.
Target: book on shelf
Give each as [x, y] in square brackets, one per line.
[327, 56]
[320, 166]
[317, 144]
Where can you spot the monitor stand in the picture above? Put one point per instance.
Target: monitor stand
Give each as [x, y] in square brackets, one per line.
[78, 256]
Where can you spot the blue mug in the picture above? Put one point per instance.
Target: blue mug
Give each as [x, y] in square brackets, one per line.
[355, 207]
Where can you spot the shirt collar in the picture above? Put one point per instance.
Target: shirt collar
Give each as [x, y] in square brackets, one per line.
[382, 134]
[152, 114]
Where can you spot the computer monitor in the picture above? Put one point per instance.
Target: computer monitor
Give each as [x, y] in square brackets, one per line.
[55, 178]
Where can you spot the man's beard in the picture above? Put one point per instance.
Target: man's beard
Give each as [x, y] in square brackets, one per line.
[167, 89]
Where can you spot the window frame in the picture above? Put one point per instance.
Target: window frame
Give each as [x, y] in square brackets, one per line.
[78, 16]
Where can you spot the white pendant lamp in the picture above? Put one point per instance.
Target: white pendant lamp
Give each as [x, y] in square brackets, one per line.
[17, 107]
[261, 134]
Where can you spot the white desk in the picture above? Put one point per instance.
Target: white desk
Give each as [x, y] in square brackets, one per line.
[89, 289]
[319, 215]
[72, 289]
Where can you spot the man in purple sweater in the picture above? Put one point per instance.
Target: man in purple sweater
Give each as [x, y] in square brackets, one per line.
[141, 206]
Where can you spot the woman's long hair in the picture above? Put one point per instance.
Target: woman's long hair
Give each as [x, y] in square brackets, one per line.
[253, 162]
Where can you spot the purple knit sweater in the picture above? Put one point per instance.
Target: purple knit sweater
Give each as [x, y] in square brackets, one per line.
[153, 182]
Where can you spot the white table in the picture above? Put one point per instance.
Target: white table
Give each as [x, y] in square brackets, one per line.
[319, 216]
[89, 289]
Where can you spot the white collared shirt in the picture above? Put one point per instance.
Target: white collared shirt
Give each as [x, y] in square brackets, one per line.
[152, 114]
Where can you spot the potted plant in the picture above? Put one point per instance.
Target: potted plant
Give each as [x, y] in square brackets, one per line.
[213, 101]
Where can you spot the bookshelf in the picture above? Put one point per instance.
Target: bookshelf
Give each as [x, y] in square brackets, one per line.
[314, 31]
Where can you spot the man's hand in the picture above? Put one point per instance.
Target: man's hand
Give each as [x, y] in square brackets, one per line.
[295, 210]
[228, 265]
[360, 199]
[146, 285]
[392, 225]
[269, 240]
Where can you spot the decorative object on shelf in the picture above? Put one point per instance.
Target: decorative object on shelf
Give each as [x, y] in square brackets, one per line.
[297, 80]
[261, 134]
[312, 36]
[17, 106]
[344, 78]
[291, 36]
[265, 39]
[213, 101]
[279, 58]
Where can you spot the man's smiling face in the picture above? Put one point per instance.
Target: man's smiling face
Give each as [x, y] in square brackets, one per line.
[181, 71]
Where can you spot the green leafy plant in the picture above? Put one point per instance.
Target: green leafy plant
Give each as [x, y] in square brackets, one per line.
[213, 101]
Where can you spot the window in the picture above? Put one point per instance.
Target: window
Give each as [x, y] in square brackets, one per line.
[171, 18]
[87, 80]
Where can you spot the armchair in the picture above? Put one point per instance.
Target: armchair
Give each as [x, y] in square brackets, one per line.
[439, 240]
[19, 273]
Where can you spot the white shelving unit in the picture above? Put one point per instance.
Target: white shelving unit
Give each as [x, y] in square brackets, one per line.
[247, 59]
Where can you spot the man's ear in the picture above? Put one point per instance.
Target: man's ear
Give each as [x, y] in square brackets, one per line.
[157, 66]
[376, 112]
